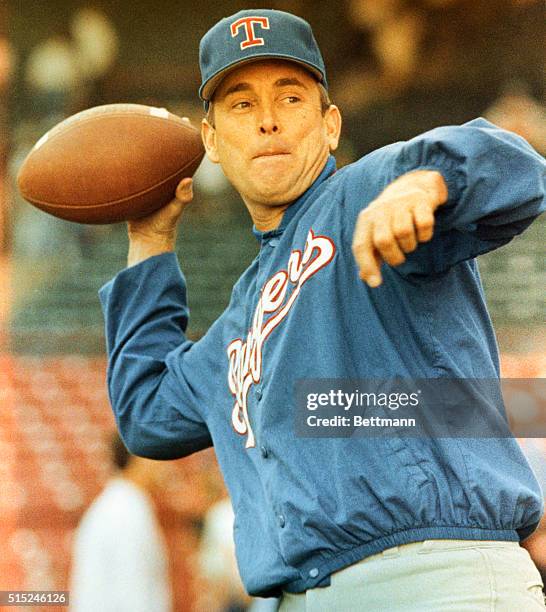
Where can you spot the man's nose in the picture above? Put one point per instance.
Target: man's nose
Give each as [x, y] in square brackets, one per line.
[269, 123]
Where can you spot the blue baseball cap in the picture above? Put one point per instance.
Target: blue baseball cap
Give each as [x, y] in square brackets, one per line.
[252, 35]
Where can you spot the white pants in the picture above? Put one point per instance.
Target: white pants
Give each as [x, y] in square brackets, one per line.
[431, 576]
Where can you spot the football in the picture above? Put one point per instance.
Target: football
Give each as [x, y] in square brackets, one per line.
[110, 163]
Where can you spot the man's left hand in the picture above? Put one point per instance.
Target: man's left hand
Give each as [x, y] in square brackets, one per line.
[395, 223]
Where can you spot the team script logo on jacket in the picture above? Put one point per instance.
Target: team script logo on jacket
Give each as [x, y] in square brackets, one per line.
[274, 303]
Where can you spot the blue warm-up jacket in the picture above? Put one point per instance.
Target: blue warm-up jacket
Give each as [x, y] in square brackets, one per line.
[305, 508]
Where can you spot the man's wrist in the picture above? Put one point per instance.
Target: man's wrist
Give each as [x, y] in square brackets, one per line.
[141, 249]
[430, 182]
[433, 184]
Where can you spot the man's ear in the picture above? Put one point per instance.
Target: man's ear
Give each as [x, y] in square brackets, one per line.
[332, 120]
[208, 135]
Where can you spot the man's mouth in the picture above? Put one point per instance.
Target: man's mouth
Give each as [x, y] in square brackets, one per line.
[271, 154]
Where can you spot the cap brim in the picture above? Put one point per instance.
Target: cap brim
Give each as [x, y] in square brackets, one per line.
[208, 89]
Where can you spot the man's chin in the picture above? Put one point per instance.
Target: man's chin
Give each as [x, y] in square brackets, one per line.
[281, 189]
[269, 178]
[276, 196]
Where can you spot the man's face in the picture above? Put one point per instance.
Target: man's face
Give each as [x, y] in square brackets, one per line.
[270, 134]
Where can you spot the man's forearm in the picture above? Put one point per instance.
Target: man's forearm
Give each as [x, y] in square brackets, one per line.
[157, 412]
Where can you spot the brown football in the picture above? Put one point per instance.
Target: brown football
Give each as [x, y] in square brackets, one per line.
[110, 163]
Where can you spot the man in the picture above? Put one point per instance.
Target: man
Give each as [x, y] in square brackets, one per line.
[335, 523]
[119, 556]
[222, 589]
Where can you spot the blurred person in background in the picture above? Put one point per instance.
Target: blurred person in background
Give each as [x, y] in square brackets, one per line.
[518, 111]
[96, 43]
[421, 63]
[535, 451]
[53, 77]
[65, 72]
[224, 591]
[119, 560]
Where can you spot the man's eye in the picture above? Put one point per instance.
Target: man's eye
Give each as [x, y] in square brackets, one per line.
[291, 99]
[241, 105]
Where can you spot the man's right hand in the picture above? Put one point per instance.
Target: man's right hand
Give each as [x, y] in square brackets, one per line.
[156, 233]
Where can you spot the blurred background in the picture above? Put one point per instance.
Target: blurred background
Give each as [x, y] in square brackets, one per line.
[396, 68]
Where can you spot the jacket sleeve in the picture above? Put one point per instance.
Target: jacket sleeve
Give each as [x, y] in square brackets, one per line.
[496, 184]
[158, 411]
